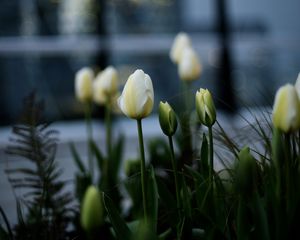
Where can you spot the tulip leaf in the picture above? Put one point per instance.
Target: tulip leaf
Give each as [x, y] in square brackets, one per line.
[165, 235]
[99, 157]
[119, 225]
[77, 158]
[116, 158]
[260, 217]
[243, 225]
[152, 200]
[165, 195]
[186, 199]
[133, 187]
[169, 203]
[83, 181]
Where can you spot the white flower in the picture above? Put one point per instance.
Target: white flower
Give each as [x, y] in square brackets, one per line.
[189, 67]
[286, 109]
[180, 42]
[83, 84]
[137, 98]
[105, 85]
[297, 85]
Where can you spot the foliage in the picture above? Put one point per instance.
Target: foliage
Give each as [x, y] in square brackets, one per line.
[47, 213]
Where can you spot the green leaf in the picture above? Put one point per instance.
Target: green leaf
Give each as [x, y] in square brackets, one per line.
[116, 158]
[133, 187]
[119, 225]
[165, 195]
[165, 235]
[260, 218]
[98, 154]
[186, 199]
[152, 200]
[243, 225]
[76, 158]
[83, 181]
[196, 176]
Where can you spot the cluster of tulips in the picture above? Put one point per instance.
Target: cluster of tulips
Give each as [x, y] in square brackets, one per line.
[256, 196]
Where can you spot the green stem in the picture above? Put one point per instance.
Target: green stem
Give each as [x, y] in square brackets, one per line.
[176, 181]
[108, 128]
[186, 90]
[211, 155]
[143, 166]
[187, 150]
[88, 118]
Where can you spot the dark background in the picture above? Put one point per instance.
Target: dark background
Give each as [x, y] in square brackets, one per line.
[248, 48]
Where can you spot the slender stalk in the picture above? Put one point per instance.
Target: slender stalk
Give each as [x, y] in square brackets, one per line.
[185, 125]
[176, 182]
[143, 166]
[88, 119]
[211, 155]
[186, 92]
[108, 128]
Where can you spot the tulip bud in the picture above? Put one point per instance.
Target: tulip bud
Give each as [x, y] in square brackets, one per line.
[189, 67]
[246, 173]
[92, 209]
[297, 85]
[205, 107]
[136, 100]
[180, 42]
[83, 84]
[167, 119]
[286, 109]
[105, 85]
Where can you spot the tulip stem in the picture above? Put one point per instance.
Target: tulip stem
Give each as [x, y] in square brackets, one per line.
[108, 128]
[88, 118]
[186, 90]
[143, 166]
[175, 170]
[211, 155]
[176, 179]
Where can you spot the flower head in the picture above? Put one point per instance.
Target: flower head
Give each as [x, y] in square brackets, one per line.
[205, 107]
[297, 85]
[167, 118]
[92, 215]
[137, 98]
[180, 42]
[286, 109]
[189, 67]
[83, 84]
[105, 85]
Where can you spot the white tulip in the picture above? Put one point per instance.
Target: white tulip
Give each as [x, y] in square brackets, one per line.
[180, 42]
[297, 85]
[83, 84]
[286, 109]
[189, 67]
[137, 98]
[105, 85]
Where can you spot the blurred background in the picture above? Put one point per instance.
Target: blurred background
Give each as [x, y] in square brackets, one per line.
[247, 48]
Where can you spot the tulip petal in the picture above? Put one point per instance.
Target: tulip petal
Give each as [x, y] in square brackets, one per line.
[286, 110]
[137, 97]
